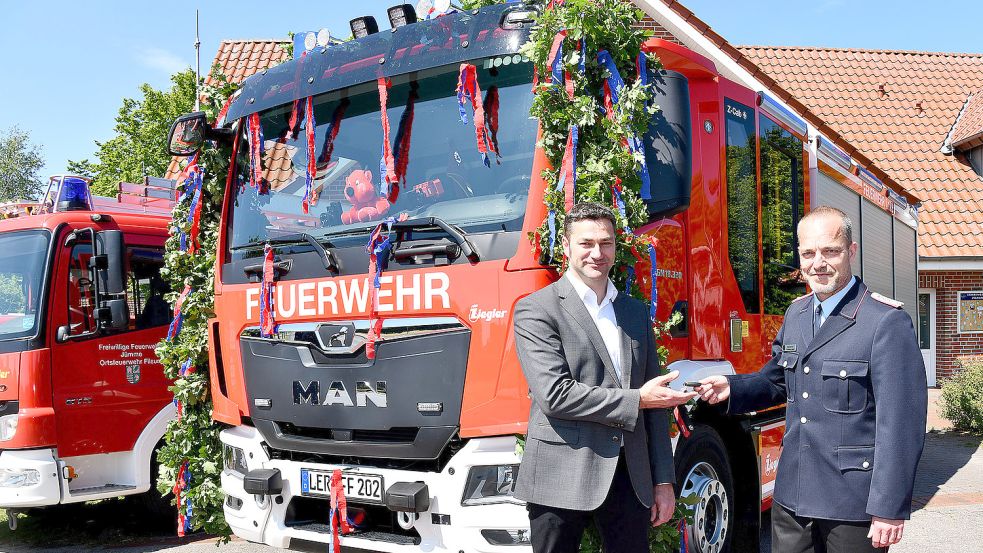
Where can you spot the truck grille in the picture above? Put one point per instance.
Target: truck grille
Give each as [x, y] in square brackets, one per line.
[309, 396]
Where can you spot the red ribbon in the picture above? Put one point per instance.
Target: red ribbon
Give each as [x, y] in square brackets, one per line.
[310, 196]
[267, 320]
[568, 177]
[256, 154]
[392, 179]
[339, 512]
[468, 87]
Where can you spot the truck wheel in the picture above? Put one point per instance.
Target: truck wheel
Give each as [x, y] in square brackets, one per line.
[703, 469]
[155, 504]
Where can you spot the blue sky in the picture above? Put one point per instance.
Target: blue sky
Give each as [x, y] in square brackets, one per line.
[69, 64]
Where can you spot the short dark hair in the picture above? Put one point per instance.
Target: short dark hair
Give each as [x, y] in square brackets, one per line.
[846, 224]
[588, 211]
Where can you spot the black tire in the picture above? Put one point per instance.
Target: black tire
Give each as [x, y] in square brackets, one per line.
[157, 505]
[703, 467]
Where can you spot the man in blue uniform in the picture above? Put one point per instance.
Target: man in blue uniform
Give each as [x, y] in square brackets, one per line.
[847, 364]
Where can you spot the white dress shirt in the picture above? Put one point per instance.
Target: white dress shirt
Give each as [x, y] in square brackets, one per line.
[832, 302]
[602, 315]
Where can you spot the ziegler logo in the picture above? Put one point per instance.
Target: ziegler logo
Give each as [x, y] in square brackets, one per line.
[337, 394]
[477, 314]
[770, 466]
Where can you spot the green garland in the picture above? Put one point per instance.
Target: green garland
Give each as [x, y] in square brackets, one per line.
[193, 438]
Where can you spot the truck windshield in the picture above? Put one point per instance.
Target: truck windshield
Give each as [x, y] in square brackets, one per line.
[445, 175]
[22, 256]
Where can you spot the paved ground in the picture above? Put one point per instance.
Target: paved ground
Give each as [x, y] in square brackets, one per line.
[948, 502]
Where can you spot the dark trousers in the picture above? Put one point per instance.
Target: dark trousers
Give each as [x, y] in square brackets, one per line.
[795, 534]
[622, 521]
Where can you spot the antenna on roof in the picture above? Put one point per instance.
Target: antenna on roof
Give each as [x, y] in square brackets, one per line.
[197, 65]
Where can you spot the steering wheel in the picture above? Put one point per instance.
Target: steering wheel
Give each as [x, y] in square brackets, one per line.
[516, 184]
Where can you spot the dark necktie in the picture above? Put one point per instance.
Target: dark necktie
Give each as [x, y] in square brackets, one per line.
[817, 321]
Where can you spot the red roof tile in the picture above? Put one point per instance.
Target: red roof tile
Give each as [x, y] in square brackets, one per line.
[897, 108]
[969, 128]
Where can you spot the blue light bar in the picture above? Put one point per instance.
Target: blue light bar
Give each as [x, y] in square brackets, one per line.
[870, 179]
[898, 199]
[839, 156]
[782, 115]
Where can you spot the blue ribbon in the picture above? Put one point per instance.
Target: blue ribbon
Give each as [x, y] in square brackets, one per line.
[655, 291]
[635, 145]
[629, 280]
[551, 222]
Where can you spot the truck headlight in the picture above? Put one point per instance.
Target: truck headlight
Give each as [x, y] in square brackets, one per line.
[490, 484]
[8, 427]
[18, 478]
[234, 459]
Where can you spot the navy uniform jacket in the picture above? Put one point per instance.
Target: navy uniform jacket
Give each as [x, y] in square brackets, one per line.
[856, 405]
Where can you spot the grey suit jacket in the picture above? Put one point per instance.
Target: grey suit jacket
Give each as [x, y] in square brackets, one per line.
[582, 412]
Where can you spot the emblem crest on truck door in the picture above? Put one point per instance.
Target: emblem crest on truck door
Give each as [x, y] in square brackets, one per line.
[133, 373]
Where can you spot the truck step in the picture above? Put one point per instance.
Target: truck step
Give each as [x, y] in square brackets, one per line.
[102, 489]
[397, 539]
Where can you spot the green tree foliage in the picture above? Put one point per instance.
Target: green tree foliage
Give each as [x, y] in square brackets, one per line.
[139, 146]
[20, 162]
[193, 438]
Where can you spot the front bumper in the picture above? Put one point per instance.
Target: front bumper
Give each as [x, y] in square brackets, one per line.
[446, 526]
[47, 490]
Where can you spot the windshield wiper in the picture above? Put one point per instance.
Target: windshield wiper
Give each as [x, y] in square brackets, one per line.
[456, 235]
[328, 258]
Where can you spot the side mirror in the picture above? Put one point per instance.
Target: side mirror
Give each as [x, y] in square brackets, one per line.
[187, 134]
[113, 315]
[64, 334]
[190, 131]
[108, 262]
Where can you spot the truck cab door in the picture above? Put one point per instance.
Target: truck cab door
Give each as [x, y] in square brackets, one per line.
[106, 386]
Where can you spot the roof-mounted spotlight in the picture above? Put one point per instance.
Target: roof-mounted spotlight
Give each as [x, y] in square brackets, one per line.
[364, 26]
[400, 15]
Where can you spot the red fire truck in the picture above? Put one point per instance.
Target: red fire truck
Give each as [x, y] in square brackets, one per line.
[83, 398]
[425, 431]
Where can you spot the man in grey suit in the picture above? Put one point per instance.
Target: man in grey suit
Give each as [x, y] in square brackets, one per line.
[847, 363]
[598, 441]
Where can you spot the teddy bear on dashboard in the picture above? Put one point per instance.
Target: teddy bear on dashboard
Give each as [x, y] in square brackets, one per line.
[367, 205]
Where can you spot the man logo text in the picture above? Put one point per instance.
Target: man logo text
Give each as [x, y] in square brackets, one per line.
[336, 394]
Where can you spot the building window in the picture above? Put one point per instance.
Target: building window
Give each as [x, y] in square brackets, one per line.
[975, 157]
[925, 321]
[742, 202]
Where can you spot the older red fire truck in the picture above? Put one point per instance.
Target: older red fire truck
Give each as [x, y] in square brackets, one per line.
[83, 398]
[423, 432]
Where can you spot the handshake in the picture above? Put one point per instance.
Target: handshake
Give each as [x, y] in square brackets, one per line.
[656, 393]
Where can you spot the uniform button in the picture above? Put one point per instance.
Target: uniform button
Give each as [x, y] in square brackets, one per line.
[805, 395]
[843, 374]
[615, 439]
[803, 420]
[866, 464]
[806, 370]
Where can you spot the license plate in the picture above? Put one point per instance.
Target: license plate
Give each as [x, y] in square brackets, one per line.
[357, 486]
